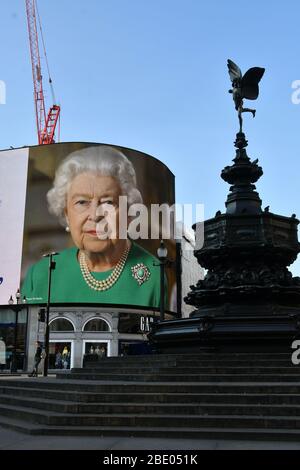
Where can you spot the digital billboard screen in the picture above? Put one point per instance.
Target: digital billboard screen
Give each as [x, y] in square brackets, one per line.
[101, 209]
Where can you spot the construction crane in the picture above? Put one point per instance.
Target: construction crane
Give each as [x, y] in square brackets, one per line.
[46, 123]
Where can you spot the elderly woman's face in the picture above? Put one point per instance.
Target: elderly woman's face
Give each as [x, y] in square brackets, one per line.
[89, 196]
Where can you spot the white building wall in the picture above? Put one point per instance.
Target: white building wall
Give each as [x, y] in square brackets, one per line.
[191, 270]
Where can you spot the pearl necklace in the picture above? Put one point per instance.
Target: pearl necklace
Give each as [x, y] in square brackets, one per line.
[112, 278]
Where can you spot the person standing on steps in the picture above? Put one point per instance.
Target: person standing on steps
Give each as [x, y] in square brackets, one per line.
[37, 360]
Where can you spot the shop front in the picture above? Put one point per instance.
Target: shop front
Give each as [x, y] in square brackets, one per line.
[80, 333]
[13, 337]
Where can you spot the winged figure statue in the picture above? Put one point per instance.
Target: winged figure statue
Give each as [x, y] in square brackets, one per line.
[244, 86]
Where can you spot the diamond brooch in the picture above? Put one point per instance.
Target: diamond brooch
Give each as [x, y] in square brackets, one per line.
[141, 273]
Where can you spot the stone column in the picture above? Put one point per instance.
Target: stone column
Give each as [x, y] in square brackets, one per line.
[114, 348]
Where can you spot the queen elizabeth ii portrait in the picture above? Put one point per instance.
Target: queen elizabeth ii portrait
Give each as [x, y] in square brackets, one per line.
[101, 266]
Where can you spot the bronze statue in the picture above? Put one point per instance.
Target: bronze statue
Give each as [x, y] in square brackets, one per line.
[244, 87]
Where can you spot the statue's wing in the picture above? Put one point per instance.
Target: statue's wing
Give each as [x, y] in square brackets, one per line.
[234, 71]
[250, 83]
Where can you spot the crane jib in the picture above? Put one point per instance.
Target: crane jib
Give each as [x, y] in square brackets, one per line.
[46, 122]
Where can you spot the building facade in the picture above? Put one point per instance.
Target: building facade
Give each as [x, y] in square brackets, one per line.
[77, 332]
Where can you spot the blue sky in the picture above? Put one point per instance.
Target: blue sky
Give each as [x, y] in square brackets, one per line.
[152, 75]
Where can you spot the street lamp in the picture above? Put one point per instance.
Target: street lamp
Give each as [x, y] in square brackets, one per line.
[17, 308]
[162, 254]
[18, 296]
[51, 267]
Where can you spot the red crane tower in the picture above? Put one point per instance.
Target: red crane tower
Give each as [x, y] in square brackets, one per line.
[46, 124]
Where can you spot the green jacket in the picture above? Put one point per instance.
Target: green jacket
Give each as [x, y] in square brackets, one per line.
[69, 286]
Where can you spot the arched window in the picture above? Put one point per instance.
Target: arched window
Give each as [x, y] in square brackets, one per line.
[96, 324]
[61, 324]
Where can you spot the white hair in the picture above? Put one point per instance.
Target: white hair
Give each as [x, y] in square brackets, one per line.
[104, 160]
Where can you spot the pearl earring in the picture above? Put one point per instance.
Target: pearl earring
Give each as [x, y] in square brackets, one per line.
[67, 229]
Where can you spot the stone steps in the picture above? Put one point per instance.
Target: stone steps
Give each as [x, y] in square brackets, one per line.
[154, 397]
[160, 432]
[207, 370]
[236, 396]
[170, 420]
[189, 363]
[167, 377]
[205, 367]
[214, 355]
[211, 363]
[162, 387]
[203, 408]
[202, 359]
